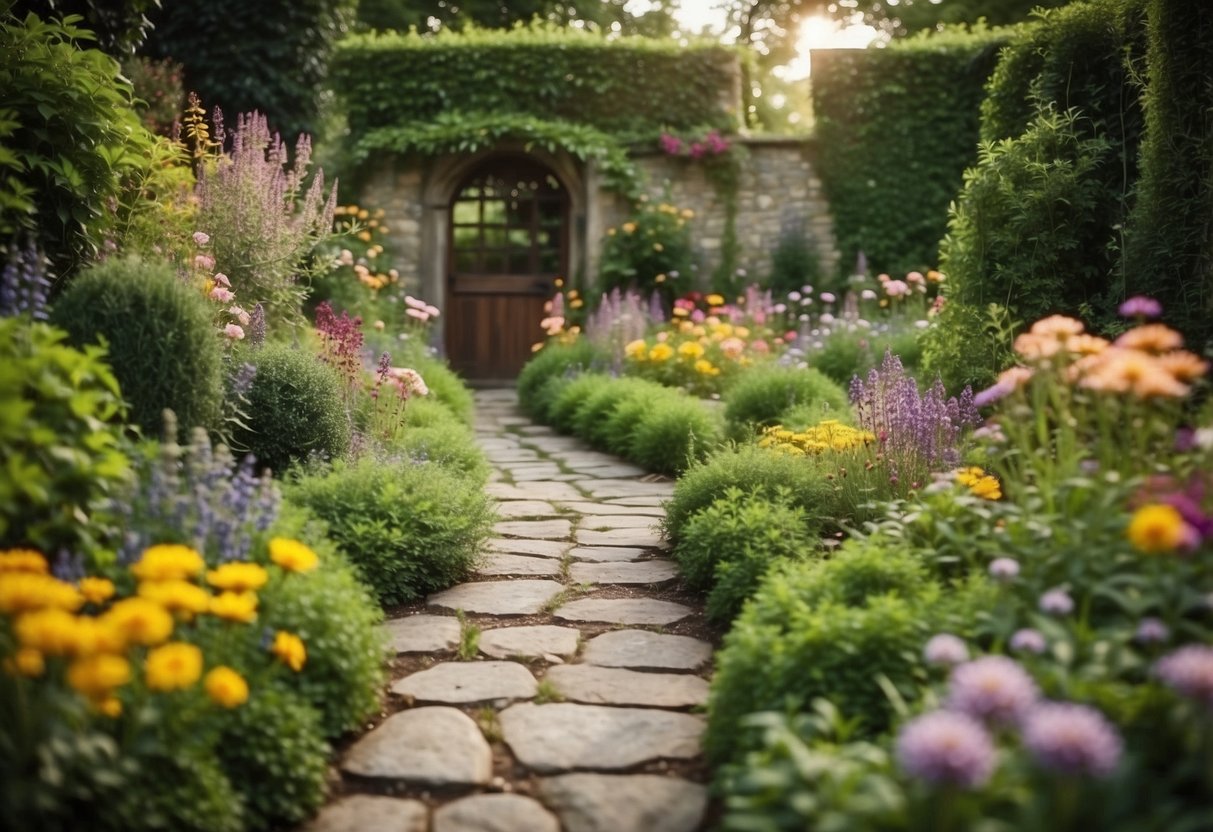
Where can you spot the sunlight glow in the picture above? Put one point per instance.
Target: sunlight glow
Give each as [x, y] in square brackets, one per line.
[818, 32]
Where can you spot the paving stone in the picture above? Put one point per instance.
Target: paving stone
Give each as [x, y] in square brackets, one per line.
[429, 746]
[524, 597]
[542, 529]
[654, 571]
[501, 564]
[537, 640]
[370, 813]
[468, 683]
[512, 455]
[563, 736]
[422, 633]
[510, 421]
[497, 443]
[643, 502]
[608, 471]
[536, 430]
[616, 488]
[617, 537]
[533, 491]
[538, 548]
[553, 444]
[607, 553]
[583, 507]
[585, 458]
[643, 650]
[632, 802]
[623, 611]
[615, 686]
[607, 522]
[495, 813]
[526, 508]
[533, 471]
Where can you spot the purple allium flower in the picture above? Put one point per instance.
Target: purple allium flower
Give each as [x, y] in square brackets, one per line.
[945, 649]
[1004, 569]
[1056, 602]
[1151, 631]
[1071, 739]
[1189, 672]
[946, 748]
[1140, 307]
[992, 688]
[1028, 640]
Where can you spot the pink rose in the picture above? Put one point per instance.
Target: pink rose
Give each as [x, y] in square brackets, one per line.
[201, 238]
[233, 331]
[204, 261]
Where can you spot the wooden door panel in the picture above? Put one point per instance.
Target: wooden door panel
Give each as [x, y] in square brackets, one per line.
[489, 337]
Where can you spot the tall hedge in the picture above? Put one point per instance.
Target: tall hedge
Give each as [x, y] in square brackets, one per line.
[896, 129]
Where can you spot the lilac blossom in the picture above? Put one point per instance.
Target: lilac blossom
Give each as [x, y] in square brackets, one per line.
[1151, 631]
[621, 317]
[992, 688]
[1028, 640]
[946, 748]
[1004, 570]
[1189, 672]
[1056, 602]
[945, 649]
[1072, 739]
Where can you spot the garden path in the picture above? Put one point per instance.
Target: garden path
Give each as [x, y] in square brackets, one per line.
[558, 689]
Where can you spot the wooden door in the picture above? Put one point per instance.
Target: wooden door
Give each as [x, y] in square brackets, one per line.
[508, 245]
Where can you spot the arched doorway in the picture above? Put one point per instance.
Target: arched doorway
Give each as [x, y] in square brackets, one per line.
[508, 242]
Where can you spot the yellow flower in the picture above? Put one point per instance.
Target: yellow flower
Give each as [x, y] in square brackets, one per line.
[168, 562]
[23, 560]
[96, 590]
[658, 247]
[292, 555]
[25, 662]
[235, 606]
[47, 631]
[290, 650]
[690, 350]
[687, 214]
[111, 706]
[226, 687]
[97, 676]
[706, 368]
[1157, 528]
[661, 352]
[714, 300]
[980, 483]
[628, 227]
[176, 596]
[365, 236]
[25, 591]
[636, 350]
[238, 577]
[140, 621]
[175, 666]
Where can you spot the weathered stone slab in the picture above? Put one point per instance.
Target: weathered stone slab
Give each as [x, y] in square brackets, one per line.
[541, 490]
[370, 813]
[641, 572]
[524, 597]
[554, 444]
[538, 640]
[468, 683]
[586, 458]
[617, 537]
[635, 802]
[428, 746]
[511, 509]
[613, 470]
[512, 455]
[538, 548]
[607, 553]
[536, 430]
[642, 502]
[608, 522]
[603, 489]
[501, 564]
[422, 633]
[497, 443]
[614, 686]
[584, 507]
[541, 529]
[495, 813]
[623, 611]
[643, 650]
[533, 470]
[564, 736]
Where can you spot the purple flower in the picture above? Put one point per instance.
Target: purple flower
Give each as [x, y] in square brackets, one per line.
[1004, 569]
[1056, 602]
[1028, 640]
[1071, 739]
[1189, 672]
[992, 688]
[1151, 631]
[945, 649]
[1140, 307]
[946, 748]
[23, 285]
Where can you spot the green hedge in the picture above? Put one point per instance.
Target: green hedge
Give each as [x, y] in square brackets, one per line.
[896, 128]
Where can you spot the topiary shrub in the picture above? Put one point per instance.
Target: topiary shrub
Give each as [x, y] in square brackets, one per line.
[594, 415]
[568, 400]
[760, 397]
[451, 445]
[673, 433]
[294, 410]
[409, 529]
[163, 345]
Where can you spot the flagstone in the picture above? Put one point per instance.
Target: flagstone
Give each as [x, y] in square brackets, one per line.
[615, 686]
[543, 529]
[522, 597]
[619, 537]
[468, 683]
[502, 564]
[611, 509]
[539, 548]
[632, 802]
[370, 813]
[495, 813]
[643, 502]
[513, 509]
[530, 641]
[534, 490]
[608, 522]
[643, 650]
[607, 553]
[654, 571]
[623, 611]
[422, 633]
[436, 746]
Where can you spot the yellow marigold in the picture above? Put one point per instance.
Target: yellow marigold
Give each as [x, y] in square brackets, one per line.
[226, 687]
[235, 606]
[661, 352]
[238, 577]
[1154, 338]
[687, 214]
[742, 332]
[706, 368]
[292, 555]
[23, 560]
[935, 277]
[690, 350]
[25, 591]
[979, 483]
[110, 706]
[168, 562]
[1157, 528]
[94, 635]
[140, 621]
[97, 676]
[48, 631]
[290, 650]
[25, 662]
[96, 590]
[714, 300]
[176, 596]
[628, 227]
[174, 666]
[636, 350]
[680, 312]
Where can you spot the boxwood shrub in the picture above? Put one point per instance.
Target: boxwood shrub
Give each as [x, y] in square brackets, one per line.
[762, 396]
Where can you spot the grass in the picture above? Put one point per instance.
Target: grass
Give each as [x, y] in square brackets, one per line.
[469, 638]
[547, 692]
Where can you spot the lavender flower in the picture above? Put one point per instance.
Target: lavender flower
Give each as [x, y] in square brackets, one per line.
[1004, 570]
[1056, 602]
[1151, 631]
[992, 688]
[256, 327]
[945, 649]
[1028, 640]
[23, 284]
[1140, 307]
[1189, 672]
[1072, 739]
[945, 748]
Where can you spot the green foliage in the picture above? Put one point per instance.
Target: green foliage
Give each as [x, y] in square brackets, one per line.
[572, 396]
[119, 27]
[450, 444]
[551, 362]
[58, 440]
[594, 417]
[163, 346]
[849, 352]
[762, 396]
[177, 789]
[650, 252]
[446, 387]
[409, 529]
[726, 548]
[68, 138]
[674, 433]
[794, 262]
[896, 128]
[159, 89]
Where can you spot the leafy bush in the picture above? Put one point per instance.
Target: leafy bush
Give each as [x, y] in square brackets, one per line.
[409, 529]
[794, 262]
[164, 349]
[427, 412]
[726, 548]
[650, 252]
[451, 445]
[675, 432]
[594, 417]
[571, 397]
[294, 408]
[446, 387]
[761, 397]
[159, 89]
[553, 361]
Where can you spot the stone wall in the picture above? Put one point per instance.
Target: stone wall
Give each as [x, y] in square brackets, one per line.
[397, 189]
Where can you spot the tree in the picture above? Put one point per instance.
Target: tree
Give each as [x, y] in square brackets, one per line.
[433, 15]
[910, 16]
[120, 25]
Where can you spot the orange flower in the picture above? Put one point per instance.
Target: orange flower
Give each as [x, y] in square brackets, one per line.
[1033, 347]
[1154, 338]
[1057, 326]
[1086, 344]
[1124, 370]
[1184, 365]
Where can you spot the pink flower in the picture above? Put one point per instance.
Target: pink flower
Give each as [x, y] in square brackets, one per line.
[697, 150]
[760, 346]
[234, 331]
[732, 347]
[413, 303]
[432, 311]
[915, 277]
[221, 280]
[409, 381]
[240, 315]
[419, 314]
[896, 288]
[222, 295]
[201, 238]
[671, 144]
[827, 297]
[204, 262]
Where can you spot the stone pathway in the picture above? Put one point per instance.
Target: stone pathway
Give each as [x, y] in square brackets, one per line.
[557, 690]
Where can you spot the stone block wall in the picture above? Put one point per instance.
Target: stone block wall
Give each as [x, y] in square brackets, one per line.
[398, 190]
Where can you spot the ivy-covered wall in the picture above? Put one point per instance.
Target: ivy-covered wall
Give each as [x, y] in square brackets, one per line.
[896, 128]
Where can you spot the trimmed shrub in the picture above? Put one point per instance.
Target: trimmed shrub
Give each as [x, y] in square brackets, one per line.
[425, 412]
[446, 387]
[571, 396]
[409, 529]
[295, 408]
[553, 361]
[594, 416]
[673, 433]
[762, 396]
[451, 445]
[162, 342]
